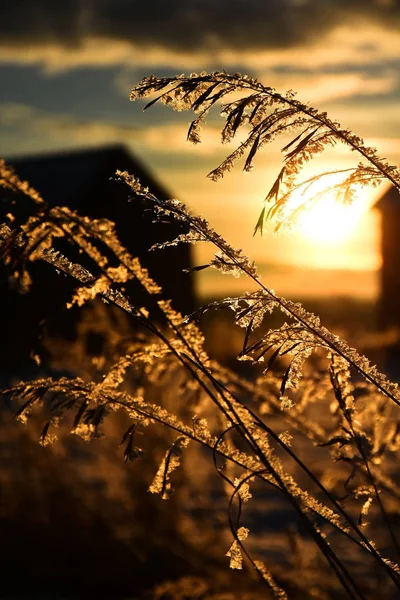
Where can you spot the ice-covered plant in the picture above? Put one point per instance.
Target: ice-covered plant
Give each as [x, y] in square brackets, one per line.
[264, 115]
[319, 426]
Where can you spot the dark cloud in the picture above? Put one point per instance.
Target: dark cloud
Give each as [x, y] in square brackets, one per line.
[187, 25]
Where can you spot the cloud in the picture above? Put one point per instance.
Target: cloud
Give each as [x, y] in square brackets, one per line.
[388, 146]
[205, 32]
[370, 120]
[330, 87]
[58, 125]
[169, 138]
[172, 137]
[68, 127]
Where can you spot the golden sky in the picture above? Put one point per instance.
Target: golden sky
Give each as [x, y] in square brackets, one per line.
[67, 70]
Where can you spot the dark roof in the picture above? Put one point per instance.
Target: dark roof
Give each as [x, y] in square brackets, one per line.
[389, 199]
[69, 177]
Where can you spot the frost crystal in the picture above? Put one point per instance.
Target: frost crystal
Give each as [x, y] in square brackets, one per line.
[277, 591]
[244, 489]
[161, 483]
[235, 552]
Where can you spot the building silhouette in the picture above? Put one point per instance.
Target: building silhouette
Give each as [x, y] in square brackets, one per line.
[83, 180]
[389, 297]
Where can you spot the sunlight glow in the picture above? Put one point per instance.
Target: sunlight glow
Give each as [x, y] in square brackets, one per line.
[329, 222]
[326, 221]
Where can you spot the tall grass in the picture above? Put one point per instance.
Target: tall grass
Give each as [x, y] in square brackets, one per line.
[312, 439]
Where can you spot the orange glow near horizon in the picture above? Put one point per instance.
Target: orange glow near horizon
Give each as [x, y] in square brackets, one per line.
[329, 236]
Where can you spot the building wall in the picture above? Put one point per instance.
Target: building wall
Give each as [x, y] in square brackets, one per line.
[389, 304]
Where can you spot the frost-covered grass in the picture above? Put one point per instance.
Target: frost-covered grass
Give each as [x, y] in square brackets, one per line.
[307, 446]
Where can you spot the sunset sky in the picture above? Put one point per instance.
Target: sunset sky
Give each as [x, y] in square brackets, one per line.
[67, 69]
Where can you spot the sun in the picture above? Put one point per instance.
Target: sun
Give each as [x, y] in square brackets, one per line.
[328, 222]
[325, 220]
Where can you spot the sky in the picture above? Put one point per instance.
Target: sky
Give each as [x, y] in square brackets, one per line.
[67, 69]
